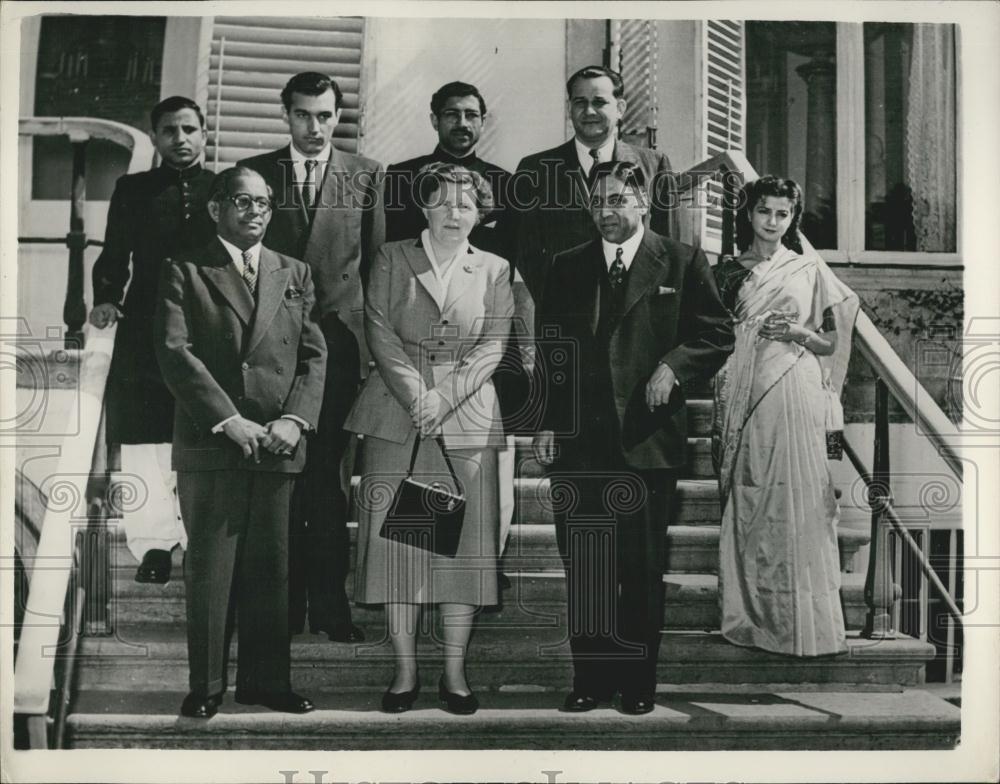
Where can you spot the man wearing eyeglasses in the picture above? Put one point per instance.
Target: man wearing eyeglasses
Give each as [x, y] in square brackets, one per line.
[239, 351]
[328, 213]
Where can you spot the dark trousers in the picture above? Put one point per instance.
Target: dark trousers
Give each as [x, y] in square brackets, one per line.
[319, 545]
[237, 560]
[611, 527]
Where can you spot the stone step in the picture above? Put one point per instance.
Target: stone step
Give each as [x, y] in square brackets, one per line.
[154, 658]
[691, 549]
[699, 459]
[533, 601]
[706, 718]
[696, 502]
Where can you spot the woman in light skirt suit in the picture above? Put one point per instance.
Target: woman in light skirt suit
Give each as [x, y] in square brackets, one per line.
[437, 315]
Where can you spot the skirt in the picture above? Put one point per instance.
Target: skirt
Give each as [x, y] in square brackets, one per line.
[392, 572]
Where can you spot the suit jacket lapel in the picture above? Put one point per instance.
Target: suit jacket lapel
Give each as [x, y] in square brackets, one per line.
[223, 275]
[421, 266]
[645, 271]
[591, 296]
[272, 281]
[464, 270]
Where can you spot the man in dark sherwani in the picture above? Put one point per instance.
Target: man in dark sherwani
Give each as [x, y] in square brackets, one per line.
[152, 215]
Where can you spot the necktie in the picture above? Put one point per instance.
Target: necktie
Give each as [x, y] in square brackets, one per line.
[309, 185]
[617, 271]
[597, 159]
[249, 272]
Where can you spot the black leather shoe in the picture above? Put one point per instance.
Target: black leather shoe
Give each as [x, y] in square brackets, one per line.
[637, 704]
[155, 567]
[399, 702]
[284, 702]
[343, 633]
[578, 702]
[461, 704]
[198, 706]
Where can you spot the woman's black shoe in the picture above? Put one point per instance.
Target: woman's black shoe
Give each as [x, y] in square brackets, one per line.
[462, 704]
[399, 702]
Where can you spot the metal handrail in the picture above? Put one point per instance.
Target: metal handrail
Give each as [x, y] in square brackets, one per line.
[35, 663]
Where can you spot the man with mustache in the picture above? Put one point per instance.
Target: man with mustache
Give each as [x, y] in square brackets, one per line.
[458, 115]
[239, 351]
[152, 215]
[643, 316]
[328, 213]
[548, 212]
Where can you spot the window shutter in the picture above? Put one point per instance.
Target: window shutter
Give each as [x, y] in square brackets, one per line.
[637, 46]
[723, 111]
[251, 60]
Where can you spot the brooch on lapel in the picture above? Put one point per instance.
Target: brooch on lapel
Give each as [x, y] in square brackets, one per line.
[467, 267]
[293, 293]
[666, 290]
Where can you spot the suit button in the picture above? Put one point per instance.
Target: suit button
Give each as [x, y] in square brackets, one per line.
[444, 321]
[345, 276]
[432, 357]
[284, 340]
[245, 366]
[281, 371]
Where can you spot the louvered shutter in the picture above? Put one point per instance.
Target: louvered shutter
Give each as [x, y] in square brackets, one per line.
[723, 111]
[252, 58]
[637, 42]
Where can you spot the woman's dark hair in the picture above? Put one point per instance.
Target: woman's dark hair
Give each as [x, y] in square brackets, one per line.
[432, 177]
[750, 197]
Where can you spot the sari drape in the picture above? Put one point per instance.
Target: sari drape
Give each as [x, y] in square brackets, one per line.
[779, 568]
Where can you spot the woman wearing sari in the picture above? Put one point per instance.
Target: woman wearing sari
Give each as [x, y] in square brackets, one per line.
[779, 566]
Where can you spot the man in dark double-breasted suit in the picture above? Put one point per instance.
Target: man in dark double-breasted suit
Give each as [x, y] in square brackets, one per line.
[328, 213]
[548, 212]
[238, 349]
[626, 319]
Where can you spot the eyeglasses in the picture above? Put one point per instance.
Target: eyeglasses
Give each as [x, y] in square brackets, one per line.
[244, 200]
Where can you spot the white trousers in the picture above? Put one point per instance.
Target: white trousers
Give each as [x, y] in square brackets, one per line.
[151, 515]
[505, 469]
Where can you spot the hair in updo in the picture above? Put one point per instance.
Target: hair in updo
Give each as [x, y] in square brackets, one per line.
[433, 177]
[750, 197]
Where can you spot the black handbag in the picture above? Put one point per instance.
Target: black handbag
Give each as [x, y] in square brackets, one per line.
[428, 516]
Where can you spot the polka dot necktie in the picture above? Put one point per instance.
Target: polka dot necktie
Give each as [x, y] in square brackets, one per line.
[617, 272]
[249, 272]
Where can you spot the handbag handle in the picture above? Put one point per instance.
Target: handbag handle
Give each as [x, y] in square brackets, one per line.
[444, 454]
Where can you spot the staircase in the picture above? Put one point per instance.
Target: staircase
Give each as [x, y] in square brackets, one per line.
[712, 695]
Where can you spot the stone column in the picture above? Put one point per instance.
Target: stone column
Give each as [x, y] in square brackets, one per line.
[820, 76]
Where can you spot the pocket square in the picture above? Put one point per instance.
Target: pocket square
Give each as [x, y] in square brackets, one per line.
[293, 293]
[666, 290]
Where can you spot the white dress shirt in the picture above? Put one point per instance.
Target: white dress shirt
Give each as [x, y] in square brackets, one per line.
[604, 153]
[322, 158]
[629, 248]
[443, 278]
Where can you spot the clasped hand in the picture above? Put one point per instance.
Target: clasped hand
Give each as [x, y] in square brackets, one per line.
[428, 412]
[781, 326]
[279, 436]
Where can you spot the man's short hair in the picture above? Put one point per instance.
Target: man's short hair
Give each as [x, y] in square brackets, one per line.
[222, 184]
[596, 72]
[455, 90]
[311, 83]
[628, 173]
[174, 104]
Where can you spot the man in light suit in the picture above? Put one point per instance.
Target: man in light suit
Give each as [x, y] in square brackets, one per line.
[329, 214]
[548, 213]
[238, 350]
[643, 316]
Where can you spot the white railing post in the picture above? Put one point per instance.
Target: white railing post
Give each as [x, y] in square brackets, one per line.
[53, 564]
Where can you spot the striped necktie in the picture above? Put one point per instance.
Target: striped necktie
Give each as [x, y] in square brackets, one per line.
[249, 272]
[309, 186]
